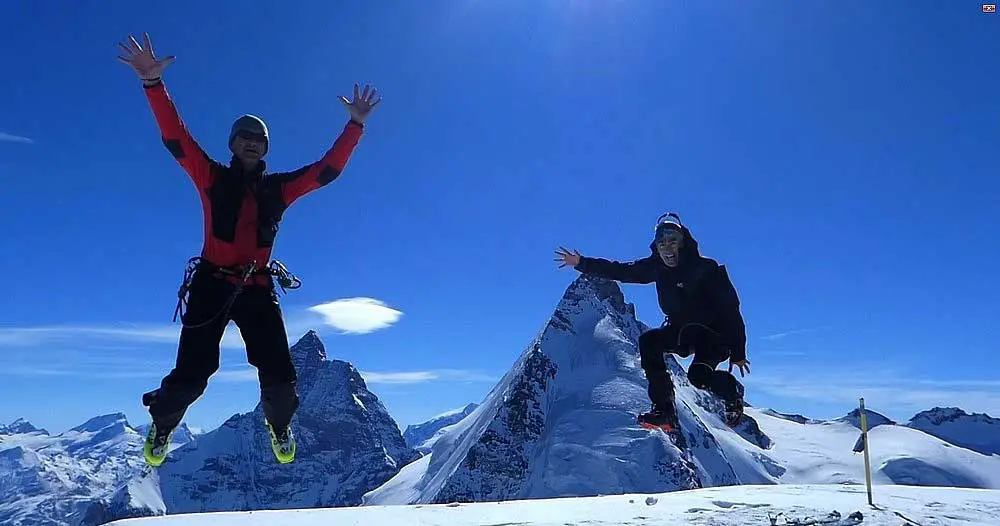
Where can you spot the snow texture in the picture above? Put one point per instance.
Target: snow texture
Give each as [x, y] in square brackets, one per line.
[67, 478]
[724, 506]
[423, 435]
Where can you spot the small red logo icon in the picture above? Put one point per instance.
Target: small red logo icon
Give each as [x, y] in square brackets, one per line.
[989, 8]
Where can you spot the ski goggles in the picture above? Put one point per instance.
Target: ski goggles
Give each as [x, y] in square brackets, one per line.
[668, 225]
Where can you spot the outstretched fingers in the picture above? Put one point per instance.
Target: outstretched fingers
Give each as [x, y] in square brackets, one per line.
[135, 44]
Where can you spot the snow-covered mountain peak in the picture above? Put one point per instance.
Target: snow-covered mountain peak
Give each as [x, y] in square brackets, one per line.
[58, 479]
[602, 289]
[348, 444]
[117, 421]
[423, 435]
[977, 431]
[309, 350]
[939, 415]
[593, 296]
[874, 419]
[309, 357]
[562, 421]
[20, 427]
[791, 417]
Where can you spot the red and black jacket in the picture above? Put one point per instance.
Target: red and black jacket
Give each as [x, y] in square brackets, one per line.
[242, 210]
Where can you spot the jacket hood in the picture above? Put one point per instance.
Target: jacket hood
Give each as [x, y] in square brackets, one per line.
[689, 248]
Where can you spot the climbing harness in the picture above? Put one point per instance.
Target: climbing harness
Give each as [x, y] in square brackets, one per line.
[284, 279]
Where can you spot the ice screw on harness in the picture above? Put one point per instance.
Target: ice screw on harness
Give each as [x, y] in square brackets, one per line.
[285, 279]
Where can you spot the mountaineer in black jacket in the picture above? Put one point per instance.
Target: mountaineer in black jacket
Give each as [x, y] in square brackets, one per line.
[703, 313]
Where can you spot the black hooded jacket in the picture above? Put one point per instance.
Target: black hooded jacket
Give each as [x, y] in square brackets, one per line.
[698, 290]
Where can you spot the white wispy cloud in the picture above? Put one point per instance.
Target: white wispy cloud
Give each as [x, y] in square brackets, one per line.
[357, 315]
[350, 315]
[241, 374]
[15, 138]
[118, 371]
[27, 336]
[416, 377]
[793, 332]
[110, 350]
[90, 334]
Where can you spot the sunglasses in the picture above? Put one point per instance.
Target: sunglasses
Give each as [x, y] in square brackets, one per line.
[251, 136]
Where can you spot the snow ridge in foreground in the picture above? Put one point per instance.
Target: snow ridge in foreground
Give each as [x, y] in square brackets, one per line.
[721, 506]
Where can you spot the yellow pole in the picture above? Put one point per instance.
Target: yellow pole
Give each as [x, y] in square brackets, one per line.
[864, 438]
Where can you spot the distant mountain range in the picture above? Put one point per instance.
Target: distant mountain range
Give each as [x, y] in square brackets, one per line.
[422, 436]
[561, 422]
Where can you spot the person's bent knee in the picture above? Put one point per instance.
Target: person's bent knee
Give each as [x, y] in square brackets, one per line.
[700, 375]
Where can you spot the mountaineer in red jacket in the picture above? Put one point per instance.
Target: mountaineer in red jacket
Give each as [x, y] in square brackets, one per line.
[232, 279]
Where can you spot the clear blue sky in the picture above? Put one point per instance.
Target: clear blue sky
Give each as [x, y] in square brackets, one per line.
[839, 158]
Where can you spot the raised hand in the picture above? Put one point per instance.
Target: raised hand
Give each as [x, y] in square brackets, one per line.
[744, 366]
[362, 105]
[142, 60]
[565, 257]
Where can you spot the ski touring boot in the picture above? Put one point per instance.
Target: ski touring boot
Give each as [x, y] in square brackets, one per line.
[660, 417]
[734, 408]
[666, 421]
[156, 445]
[734, 412]
[282, 443]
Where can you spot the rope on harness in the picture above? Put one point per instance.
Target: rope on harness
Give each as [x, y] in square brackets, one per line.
[285, 279]
[189, 270]
[193, 265]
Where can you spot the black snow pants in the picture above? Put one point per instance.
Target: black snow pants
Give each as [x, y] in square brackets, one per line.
[684, 340]
[257, 314]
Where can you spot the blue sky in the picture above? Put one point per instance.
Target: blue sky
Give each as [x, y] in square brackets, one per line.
[839, 158]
